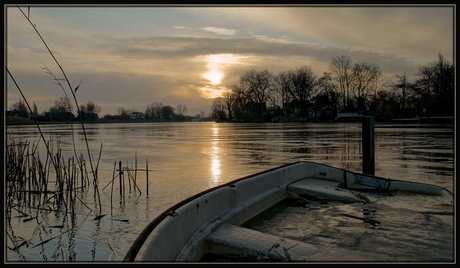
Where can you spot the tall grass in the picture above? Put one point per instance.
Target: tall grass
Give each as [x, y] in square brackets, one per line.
[49, 182]
[37, 185]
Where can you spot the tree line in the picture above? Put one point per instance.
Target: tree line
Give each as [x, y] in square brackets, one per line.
[347, 86]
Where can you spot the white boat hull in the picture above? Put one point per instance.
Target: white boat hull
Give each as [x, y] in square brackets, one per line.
[209, 222]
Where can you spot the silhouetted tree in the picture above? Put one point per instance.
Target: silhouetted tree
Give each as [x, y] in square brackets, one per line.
[167, 113]
[402, 86]
[328, 89]
[341, 66]
[229, 100]
[62, 105]
[21, 107]
[256, 85]
[303, 88]
[281, 91]
[363, 82]
[218, 108]
[435, 86]
[181, 109]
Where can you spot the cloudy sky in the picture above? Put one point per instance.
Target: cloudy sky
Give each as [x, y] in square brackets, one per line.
[131, 56]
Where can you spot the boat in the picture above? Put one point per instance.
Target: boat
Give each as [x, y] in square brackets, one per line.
[213, 225]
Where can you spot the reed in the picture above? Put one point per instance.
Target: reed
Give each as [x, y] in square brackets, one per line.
[30, 185]
[37, 185]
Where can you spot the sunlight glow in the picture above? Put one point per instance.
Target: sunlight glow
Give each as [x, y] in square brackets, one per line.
[213, 92]
[216, 65]
[214, 76]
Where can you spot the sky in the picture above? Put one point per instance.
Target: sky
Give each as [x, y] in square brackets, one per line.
[132, 56]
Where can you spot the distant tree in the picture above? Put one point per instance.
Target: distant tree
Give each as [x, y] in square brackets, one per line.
[303, 88]
[240, 103]
[328, 89]
[386, 102]
[435, 84]
[167, 112]
[89, 111]
[154, 110]
[123, 114]
[35, 110]
[281, 90]
[181, 109]
[363, 82]
[62, 105]
[402, 86]
[92, 108]
[149, 111]
[83, 109]
[21, 107]
[218, 108]
[229, 99]
[256, 88]
[341, 67]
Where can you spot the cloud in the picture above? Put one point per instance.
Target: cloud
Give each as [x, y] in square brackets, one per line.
[221, 31]
[216, 30]
[166, 63]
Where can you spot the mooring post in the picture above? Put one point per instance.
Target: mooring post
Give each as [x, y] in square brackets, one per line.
[120, 174]
[147, 175]
[368, 145]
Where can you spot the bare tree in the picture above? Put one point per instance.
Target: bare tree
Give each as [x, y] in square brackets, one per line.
[167, 112]
[403, 84]
[149, 114]
[281, 90]
[154, 110]
[35, 110]
[181, 109]
[62, 105]
[256, 85]
[229, 100]
[92, 108]
[218, 108]
[341, 66]
[435, 84]
[123, 114]
[83, 109]
[327, 88]
[303, 87]
[21, 107]
[364, 77]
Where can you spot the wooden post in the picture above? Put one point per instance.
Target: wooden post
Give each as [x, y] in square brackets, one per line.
[120, 174]
[368, 145]
[147, 175]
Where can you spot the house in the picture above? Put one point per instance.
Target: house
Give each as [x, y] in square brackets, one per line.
[323, 109]
[136, 115]
[322, 113]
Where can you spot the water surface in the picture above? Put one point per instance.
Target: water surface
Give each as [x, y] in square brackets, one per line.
[186, 158]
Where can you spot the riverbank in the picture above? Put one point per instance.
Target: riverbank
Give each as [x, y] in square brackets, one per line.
[16, 120]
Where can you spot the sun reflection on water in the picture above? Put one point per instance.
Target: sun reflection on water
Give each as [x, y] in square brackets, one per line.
[215, 159]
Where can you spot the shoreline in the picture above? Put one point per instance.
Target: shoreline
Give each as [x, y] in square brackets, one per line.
[15, 120]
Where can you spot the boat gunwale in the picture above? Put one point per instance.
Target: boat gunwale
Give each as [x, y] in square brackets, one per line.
[133, 251]
[138, 243]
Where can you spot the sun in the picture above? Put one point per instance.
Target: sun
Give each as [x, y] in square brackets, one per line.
[214, 77]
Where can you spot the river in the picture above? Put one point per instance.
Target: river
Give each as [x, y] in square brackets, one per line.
[189, 157]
